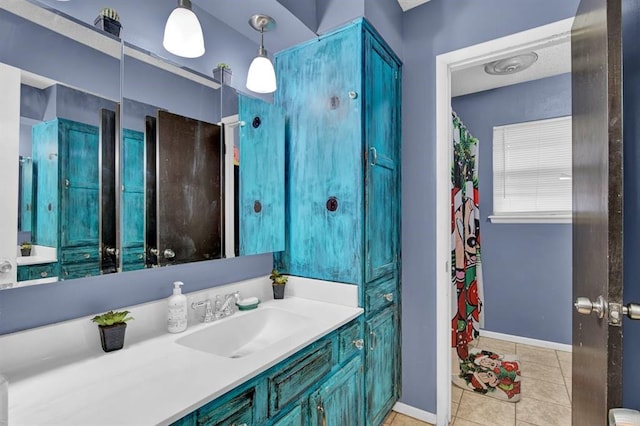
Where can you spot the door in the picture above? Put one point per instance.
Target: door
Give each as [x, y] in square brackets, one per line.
[597, 205]
[188, 190]
[339, 400]
[381, 365]
[261, 202]
[132, 200]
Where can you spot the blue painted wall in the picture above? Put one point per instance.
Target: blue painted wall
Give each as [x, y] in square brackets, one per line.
[437, 27]
[631, 138]
[521, 262]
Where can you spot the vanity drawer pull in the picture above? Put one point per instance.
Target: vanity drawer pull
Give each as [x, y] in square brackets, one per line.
[359, 344]
[86, 255]
[43, 274]
[388, 297]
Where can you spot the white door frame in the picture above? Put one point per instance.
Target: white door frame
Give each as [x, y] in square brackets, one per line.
[445, 63]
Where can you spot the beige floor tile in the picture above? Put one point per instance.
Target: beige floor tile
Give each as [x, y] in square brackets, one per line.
[534, 354]
[485, 410]
[402, 420]
[521, 423]
[454, 409]
[462, 422]
[542, 372]
[545, 391]
[566, 367]
[567, 384]
[389, 419]
[456, 393]
[542, 413]
[564, 356]
[495, 345]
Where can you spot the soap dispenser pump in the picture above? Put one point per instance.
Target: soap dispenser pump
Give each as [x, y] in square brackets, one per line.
[177, 316]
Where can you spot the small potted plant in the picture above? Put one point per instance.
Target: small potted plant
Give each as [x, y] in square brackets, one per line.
[109, 21]
[222, 73]
[112, 326]
[278, 282]
[25, 248]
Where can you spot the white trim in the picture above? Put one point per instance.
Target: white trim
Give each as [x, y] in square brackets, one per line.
[416, 413]
[465, 57]
[527, 341]
[533, 218]
[229, 185]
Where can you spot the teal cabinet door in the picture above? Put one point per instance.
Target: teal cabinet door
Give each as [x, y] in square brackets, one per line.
[79, 183]
[319, 88]
[382, 169]
[380, 365]
[45, 152]
[132, 200]
[25, 216]
[262, 184]
[238, 410]
[339, 400]
[293, 418]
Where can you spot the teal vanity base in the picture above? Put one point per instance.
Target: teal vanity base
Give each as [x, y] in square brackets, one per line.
[320, 384]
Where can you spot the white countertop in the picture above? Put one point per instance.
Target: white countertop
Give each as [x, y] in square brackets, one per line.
[151, 380]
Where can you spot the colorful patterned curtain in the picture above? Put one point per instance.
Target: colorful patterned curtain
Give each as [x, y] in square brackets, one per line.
[466, 273]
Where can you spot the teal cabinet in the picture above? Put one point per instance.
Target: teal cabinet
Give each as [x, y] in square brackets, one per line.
[132, 249]
[341, 99]
[261, 192]
[380, 365]
[66, 159]
[292, 418]
[238, 410]
[339, 399]
[37, 272]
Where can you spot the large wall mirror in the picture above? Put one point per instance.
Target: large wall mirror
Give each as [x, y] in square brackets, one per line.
[126, 161]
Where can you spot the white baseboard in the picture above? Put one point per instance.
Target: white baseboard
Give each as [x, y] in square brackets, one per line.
[527, 341]
[416, 413]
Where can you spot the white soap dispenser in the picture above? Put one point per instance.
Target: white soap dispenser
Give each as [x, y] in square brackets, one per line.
[177, 317]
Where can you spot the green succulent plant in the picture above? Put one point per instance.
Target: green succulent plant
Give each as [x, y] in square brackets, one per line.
[25, 245]
[111, 318]
[110, 13]
[277, 278]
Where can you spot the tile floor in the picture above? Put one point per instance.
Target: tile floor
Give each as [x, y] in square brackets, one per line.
[546, 393]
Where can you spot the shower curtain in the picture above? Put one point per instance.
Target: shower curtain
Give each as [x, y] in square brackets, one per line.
[466, 273]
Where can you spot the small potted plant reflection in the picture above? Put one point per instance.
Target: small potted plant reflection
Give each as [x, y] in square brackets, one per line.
[222, 73]
[108, 20]
[25, 248]
[278, 281]
[112, 327]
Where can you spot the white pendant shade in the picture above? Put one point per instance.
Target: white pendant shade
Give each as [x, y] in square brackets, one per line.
[183, 34]
[261, 77]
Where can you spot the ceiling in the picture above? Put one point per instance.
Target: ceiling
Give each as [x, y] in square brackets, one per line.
[410, 4]
[554, 58]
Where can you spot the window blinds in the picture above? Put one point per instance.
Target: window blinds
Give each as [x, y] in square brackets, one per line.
[532, 168]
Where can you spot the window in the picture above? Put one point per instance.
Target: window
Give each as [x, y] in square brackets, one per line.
[532, 172]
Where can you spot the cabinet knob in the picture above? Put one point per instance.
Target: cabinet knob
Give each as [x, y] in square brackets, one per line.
[388, 297]
[86, 255]
[359, 344]
[43, 274]
[353, 95]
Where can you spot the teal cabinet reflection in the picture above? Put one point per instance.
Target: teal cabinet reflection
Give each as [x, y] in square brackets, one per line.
[65, 155]
[133, 148]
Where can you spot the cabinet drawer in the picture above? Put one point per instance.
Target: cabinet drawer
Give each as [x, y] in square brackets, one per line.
[80, 255]
[236, 411]
[294, 379]
[350, 341]
[37, 272]
[380, 294]
[79, 271]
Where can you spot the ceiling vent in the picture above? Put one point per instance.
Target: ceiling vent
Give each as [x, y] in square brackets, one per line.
[511, 65]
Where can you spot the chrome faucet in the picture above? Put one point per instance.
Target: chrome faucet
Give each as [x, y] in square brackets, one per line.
[208, 311]
[226, 305]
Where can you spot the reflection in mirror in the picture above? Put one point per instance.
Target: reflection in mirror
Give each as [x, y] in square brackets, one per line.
[172, 167]
[63, 86]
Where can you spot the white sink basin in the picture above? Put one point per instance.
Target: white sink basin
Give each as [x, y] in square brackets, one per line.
[246, 333]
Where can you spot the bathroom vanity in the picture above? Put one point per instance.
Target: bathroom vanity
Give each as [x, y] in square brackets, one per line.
[313, 369]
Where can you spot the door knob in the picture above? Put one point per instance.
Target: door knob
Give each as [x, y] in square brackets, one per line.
[585, 306]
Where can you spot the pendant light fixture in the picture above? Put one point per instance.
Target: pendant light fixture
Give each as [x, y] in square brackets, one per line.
[261, 77]
[183, 32]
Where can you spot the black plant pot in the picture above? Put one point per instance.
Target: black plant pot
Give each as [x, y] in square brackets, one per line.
[25, 251]
[278, 291]
[109, 25]
[112, 336]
